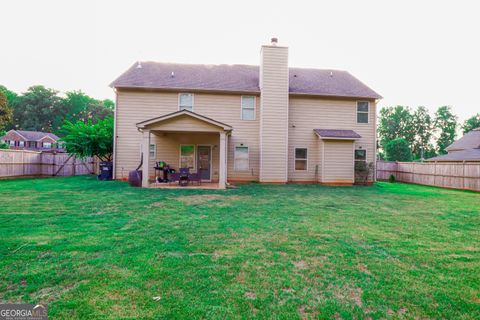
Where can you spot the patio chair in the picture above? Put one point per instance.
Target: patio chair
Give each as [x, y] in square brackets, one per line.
[195, 177]
[184, 176]
[173, 177]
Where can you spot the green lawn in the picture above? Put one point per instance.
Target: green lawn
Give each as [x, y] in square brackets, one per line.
[104, 250]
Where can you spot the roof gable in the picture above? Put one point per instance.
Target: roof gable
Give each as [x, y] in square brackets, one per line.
[184, 120]
[239, 78]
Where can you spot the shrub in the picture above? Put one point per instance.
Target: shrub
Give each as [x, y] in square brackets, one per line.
[392, 178]
[88, 139]
[363, 171]
[3, 144]
[398, 150]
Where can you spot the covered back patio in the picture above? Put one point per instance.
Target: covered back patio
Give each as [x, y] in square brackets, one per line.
[187, 142]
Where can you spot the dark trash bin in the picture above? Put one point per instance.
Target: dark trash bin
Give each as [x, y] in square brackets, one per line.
[135, 178]
[106, 171]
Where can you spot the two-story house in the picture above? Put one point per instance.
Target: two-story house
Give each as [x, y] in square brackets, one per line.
[269, 123]
[33, 140]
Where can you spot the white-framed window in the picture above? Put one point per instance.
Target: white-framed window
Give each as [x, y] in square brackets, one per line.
[12, 143]
[187, 156]
[362, 111]
[47, 144]
[185, 101]
[21, 143]
[248, 108]
[241, 158]
[152, 151]
[360, 155]
[301, 159]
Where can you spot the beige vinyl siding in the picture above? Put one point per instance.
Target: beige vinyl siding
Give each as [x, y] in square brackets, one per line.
[137, 106]
[338, 162]
[306, 114]
[274, 114]
[227, 109]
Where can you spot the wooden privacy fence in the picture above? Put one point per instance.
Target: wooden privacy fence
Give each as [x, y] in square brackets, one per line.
[456, 175]
[17, 163]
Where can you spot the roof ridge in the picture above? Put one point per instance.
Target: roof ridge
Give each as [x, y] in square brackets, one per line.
[233, 64]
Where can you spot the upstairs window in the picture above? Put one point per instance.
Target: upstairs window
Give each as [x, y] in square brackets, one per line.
[362, 112]
[47, 144]
[185, 101]
[21, 143]
[12, 143]
[301, 162]
[248, 108]
[241, 158]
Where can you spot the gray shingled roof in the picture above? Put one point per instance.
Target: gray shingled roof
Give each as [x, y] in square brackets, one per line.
[469, 141]
[36, 135]
[335, 133]
[239, 78]
[463, 155]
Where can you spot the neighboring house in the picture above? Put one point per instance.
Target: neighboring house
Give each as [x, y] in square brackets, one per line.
[268, 123]
[32, 140]
[467, 148]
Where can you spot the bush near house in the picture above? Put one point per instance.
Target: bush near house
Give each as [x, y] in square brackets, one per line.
[104, 250]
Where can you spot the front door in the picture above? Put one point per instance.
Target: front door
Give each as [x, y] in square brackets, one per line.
[204, 160]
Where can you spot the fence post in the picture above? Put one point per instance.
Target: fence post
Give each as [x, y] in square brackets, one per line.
[463, 174]
[413, 172]
[73, 166]
[54, 156]
[396, 171]
[23, 164]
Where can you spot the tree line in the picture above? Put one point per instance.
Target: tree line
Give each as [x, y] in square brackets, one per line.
[43, 109]
[407, 134]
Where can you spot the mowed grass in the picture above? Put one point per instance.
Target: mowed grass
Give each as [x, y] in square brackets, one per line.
[105, 250]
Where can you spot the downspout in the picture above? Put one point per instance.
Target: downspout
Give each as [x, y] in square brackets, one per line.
[375, 143]
[115, 135]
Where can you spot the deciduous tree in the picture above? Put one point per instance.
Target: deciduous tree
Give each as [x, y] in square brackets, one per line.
[89, 139]
[81, 107]
[5, 111]
[396, 122]
[471, 123]
[423, 127]
[38, 109]
[398, 150]
[446, 123]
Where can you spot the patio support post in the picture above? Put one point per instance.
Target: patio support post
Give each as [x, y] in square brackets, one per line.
[145, 153]
[223, 161]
